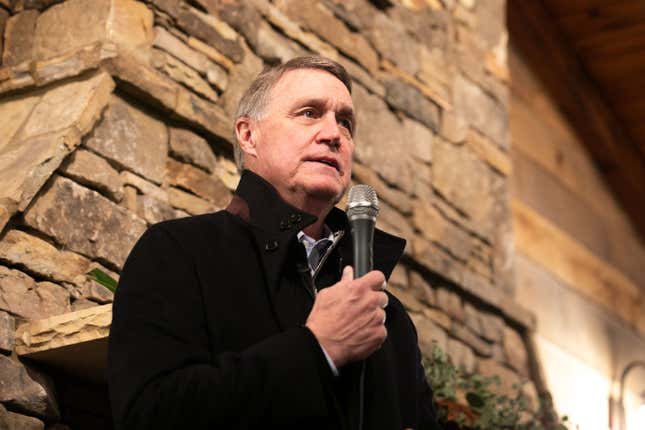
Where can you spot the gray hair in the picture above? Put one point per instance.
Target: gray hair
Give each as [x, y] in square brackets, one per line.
[256, 98]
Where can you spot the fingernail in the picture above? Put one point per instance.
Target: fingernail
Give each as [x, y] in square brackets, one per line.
[384, 285]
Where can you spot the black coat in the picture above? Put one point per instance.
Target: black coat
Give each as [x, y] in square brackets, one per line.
[207, 329]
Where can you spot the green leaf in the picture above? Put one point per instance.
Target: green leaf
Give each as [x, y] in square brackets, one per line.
[103, 278]
[475, 400]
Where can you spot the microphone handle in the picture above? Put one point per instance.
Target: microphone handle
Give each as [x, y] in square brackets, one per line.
[362, 230]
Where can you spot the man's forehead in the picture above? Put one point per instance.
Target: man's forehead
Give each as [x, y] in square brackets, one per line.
[310, 82]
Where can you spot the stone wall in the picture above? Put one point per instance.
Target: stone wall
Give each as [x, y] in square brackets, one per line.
[120, 118]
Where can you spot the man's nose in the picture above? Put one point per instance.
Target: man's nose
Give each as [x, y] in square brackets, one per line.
[329, 132]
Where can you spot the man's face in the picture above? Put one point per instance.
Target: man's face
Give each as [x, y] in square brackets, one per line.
[303, 142]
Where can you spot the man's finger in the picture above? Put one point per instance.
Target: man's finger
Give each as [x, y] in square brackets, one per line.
[348, 274]
[384, 301]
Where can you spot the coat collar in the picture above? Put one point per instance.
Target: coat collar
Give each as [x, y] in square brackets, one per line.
[274, 223]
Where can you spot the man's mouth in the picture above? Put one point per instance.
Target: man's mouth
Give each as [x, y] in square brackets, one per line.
[328, 161]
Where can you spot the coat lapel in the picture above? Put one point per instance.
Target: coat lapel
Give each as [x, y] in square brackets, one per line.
[274, 225]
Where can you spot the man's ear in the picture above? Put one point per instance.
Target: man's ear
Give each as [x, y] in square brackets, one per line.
[245, 131]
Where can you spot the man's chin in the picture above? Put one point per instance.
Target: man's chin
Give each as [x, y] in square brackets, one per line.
[331, 193]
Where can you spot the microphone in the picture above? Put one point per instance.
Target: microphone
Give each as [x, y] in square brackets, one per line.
[362, 208]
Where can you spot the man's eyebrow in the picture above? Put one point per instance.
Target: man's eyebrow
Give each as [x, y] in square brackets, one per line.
[321, 102]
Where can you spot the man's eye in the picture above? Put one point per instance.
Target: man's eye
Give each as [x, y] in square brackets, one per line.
[309, 113]
[346, 124]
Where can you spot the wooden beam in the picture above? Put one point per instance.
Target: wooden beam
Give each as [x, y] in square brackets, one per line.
[579, 268]
[534, 31]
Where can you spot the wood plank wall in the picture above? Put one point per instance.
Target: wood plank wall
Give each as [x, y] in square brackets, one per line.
[565, 218]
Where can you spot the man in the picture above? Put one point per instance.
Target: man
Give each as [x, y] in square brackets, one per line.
[249, 317]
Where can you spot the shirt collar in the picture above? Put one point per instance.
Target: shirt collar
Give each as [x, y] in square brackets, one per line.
[309, 242]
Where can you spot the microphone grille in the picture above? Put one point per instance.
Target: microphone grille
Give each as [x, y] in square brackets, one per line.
[362, 202]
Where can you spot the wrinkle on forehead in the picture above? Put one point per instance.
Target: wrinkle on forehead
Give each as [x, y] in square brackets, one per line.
[295, 78]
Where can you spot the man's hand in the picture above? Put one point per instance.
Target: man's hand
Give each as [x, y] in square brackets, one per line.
[348, 318]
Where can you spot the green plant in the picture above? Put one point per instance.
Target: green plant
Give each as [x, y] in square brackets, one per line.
[470, 401]
[102, 278]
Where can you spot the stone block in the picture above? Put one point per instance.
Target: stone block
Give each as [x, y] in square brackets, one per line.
[384, 192]
[503, 241]
[380, 141]
[399, 276]
[454, 127]
[191, 148]
[436, 259]
[490, 21]
[227, 172]
[358, 15]
[67, 26]
[389, 37]
[189, 203]
[182, 73]
[466, 182]
[481, 347]
[263, 39]
[214, 73]
[39, 73]
[319, 19]
[95, 292]
[490, 153]
[434, 227]
[26, 391]
[54, 127]
[410, 100]
[93, 171]
[481, 111]
[37, 256]
[450, 302]
[192, 179]
[13, 421]
[132, 138]
[292, 30]
[461, 355]
[154, 211]
[76, 104]
[155, 88]
[211, 53]
[430, 334]
[439, 318]
[391, 220]
[515, 351]
[134, 182]
[210, 30]
[420, 139]
[81, 303]
[509, 381]
[358, 74]
[21, 296]
[14, 111]
[73, 329]
[407, 299]
[240, 77]
[472, 319]
[205, 114]
[19, 38]
[85, 222]
[422, 289]
[7, 332]
[20, 5]
[4, 17]
[492, 327]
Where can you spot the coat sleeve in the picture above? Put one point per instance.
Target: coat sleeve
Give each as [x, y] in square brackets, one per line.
[161, 373]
